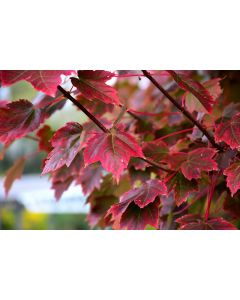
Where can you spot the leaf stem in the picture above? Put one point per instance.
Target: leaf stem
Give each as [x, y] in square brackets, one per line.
[183, 110]
[210, 194]
[82, 108]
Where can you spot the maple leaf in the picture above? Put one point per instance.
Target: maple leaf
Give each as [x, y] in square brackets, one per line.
[145, 194]
[66, 143]
[18, 119]
[193, 104]
[63, 177]
[112, 149]
[229, 132]
[156, 150]
[193, 162]
[182, 188]
[15, 172]
[92, 85]
[233, 177]
[45, 134]
[45, 81]
[194, 87]
[90, 178]
[128, 215]
[139, 207]
[195, 222]
[99, 207]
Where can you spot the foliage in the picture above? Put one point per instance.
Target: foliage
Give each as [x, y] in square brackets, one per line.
[160, 148]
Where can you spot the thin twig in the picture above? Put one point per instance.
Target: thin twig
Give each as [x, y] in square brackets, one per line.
[80, 106]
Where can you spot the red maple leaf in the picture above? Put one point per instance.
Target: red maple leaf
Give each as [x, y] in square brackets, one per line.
[15, 172]
[90, 178]
[112, 149]
[92, 85]
[193, 162]
[229, 132]
[128, 215]
[193, 104]
[233, 177]
[156, 150]
[18, 119]
[145, 194]
[66, 144]
[45, 81]
[194, 87]
[181, 187]
[45, 134]
[62, 178]
[139, 207]
[195, 222]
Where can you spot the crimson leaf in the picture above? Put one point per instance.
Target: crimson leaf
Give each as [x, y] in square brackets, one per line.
[229, 132]
[18, 119]
[156, 150]
[45, 81]
[193, 162]
[66, 144]
[112, 149]
[194, 87]
[15, 172]
[193, 104]
[128, 215]
[195, 222]
[92, 85]
[182, 188]
[90, 178]
[63, 177]
[233, 177]
[45, 134]
[145, 194]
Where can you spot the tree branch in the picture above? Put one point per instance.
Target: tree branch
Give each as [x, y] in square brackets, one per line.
[82, 108]
[185, 112]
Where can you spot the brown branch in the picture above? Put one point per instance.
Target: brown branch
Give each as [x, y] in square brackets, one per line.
[182, 109]
[83, 109]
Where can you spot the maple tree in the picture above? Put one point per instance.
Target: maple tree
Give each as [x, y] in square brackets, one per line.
[160, 149]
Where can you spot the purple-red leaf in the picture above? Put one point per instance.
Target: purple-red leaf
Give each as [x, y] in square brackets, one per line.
[193, 104]
[15, 172]
[112, 149]
[18, 119]
[145, 194]
[139, 207]
[182, 188]
[194, 87]
[92, 85]
[45, 81]
[90, 178]
[156, 150]
[45, 134]
[233, 177]
[66, 144]
[195, 222]
[62, 178]
[193, 162]
[229, 132]
[128, 215]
